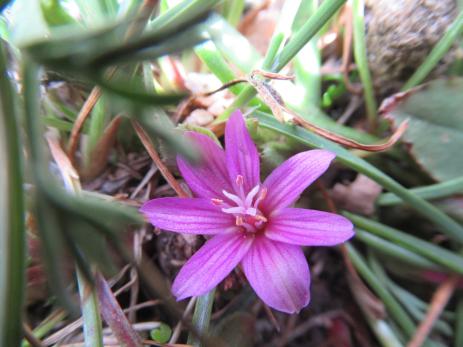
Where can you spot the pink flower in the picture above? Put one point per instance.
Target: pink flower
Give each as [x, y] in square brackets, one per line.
[251, 221]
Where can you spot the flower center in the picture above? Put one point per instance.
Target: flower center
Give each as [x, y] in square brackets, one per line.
[245, 207]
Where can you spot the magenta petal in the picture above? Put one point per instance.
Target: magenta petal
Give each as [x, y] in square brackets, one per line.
[292, 177]
[241, 152]
[188, 215]
[211, 264]
[208, 178]
[303, 227]
[279, 274]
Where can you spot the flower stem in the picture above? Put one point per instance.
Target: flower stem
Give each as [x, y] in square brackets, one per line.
[202, 317]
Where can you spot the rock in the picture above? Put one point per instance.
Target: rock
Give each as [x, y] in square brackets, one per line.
[399, 36]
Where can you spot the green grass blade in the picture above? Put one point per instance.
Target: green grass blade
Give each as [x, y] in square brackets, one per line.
[182, 12]
[392, 305]
[360, 54]
[447, 224]
[326, 10]
[235, 10]
[434, 191]
[439, 255]
[459, 324]
[395, 251]
[437, 53]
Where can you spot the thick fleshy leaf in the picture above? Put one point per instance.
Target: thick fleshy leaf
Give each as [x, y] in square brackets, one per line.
[303, 227]
[208, 178]
[279, 274]
[211, 264]
[435, 131]
[188, 216]
[292, 177]
[241, 152]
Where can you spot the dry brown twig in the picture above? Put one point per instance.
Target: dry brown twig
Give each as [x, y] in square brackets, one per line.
[347, 49]
[439, 300]
[157, 160]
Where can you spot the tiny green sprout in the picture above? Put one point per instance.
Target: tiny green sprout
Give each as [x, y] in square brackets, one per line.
[161, 334]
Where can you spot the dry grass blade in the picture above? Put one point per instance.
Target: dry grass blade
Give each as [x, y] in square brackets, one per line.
[178, 327]
[157, 160]
[134, 29]
[114, 316]
[347, 50]
[439, 300]
[29, 336]
[276, 104]
[80, 120]
[273, 100]
[99, 155]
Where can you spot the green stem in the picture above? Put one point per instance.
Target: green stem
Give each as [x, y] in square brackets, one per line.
[435, 191]
[12, 231]
[47, 325]
[360, 55]
[447, 224]
[437, 254]
[437, 53]
[202, 317]
[93, 334]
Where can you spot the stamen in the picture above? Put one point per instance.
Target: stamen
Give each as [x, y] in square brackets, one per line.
[232, 197]
[261, 218]
[243, 206]
[217, 202]
[233, 210]
[239, 221]
[251, 195]
[262, 195]
[251, 211]
[240, 183]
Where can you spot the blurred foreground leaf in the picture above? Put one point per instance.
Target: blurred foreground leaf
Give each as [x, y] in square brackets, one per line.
[12, 230]
[435, 132]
